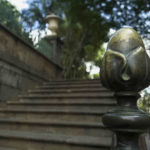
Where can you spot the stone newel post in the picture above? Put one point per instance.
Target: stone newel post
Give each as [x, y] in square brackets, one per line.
[126, 70]
[53, 39]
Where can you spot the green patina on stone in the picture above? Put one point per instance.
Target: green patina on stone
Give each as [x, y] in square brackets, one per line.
[125, 40]
[126, 65]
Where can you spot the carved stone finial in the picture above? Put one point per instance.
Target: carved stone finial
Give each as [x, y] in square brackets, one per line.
[126, 70]
[126, 65]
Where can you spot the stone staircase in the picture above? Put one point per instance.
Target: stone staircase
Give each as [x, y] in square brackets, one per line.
[59, 115]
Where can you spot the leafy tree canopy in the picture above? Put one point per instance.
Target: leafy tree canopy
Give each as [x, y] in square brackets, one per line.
[86, 26]
[10, 17]
[135, 13]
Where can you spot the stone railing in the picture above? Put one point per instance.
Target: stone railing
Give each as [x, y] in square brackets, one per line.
[126, 71]
[22, 66]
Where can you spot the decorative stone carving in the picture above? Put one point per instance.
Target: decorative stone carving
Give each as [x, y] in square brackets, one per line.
[126, 65]
[126, 70]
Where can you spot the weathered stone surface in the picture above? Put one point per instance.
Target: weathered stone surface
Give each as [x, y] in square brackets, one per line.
[126, 70]
[57, 123]
[126, 65]
[21, 66]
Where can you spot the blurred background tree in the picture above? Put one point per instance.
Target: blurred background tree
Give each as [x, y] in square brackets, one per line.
[86, 26]
[135, 13]
[144, 101]
[84, 30]
[10, 17]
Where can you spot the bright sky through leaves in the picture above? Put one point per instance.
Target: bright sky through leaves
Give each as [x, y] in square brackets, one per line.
[20, 4]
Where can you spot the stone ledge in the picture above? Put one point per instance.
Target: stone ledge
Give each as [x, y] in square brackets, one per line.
[2, 27]
[21, 66]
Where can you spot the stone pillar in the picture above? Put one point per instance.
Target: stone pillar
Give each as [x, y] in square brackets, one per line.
[53, 39]
[126, 70]
[56, 45]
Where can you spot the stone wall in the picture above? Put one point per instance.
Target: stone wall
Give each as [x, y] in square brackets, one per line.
[21, 66]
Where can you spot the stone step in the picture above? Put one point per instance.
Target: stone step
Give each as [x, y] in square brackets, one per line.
[61, 127]
[64, 96]
[44, 87]
[58, 99]
[79, 94]
[64, 90]
[73, 82]
[61, 106]
[70, 86]
[64, 115]
[69, 100]
[53, 114]
[27, 140]
[65, 102]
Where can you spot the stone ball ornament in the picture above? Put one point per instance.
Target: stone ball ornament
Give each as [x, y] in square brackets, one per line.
[126, 64]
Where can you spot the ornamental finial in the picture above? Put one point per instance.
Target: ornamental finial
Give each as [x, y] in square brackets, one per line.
[126, 65]
[126, 70]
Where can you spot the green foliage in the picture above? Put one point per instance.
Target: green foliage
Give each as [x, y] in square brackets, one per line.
[10, 18]
[34, 16]
[144, 102]
[84, 30]
[100, 53]
[45, 48]
[73, 55]
[86, 26]
[133, 13]
[95, 76]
